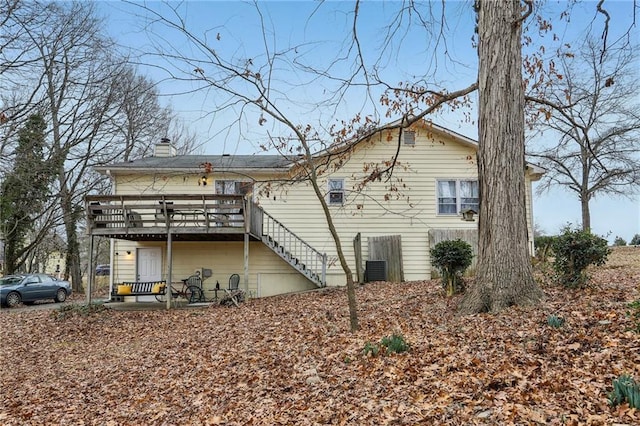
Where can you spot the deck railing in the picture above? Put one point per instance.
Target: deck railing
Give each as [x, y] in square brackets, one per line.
[117, 213]
[153, 216]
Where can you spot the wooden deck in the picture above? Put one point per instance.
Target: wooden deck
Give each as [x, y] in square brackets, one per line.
[187, 217]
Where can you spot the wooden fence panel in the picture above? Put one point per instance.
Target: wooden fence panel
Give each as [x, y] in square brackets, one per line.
[388, 248]
[468, 235]
[357, 248]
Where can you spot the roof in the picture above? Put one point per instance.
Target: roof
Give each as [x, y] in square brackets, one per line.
[186, 163]
[197, 162]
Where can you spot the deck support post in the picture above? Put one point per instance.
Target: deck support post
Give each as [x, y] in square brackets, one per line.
[90, 273]
[246, 263]
[169, 266]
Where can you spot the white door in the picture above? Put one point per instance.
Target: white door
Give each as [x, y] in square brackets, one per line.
[149, 267]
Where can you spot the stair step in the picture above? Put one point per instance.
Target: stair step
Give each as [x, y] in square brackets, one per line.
[290, 258]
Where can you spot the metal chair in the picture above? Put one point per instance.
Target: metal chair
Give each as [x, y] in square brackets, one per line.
[234, 281]
[233, 294]
[193, 280]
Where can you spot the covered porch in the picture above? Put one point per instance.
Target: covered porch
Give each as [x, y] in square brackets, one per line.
[169, 219]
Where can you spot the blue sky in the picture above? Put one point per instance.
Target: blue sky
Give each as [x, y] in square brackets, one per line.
[320, 33]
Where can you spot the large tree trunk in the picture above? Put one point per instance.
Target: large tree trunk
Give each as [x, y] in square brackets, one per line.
[504, 275]
[586, 213]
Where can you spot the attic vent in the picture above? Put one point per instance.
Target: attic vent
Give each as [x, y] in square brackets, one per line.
[409, 137]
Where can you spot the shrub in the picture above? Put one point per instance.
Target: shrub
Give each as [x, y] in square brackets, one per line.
[371, 348]
[388, 345]
[543, 244]
[635, 241]
[575, 250]
[619, 241]
[394, 343]
[76, 309]
[452, 258]
[625, 389]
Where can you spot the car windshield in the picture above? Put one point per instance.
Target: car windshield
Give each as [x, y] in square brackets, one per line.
[11, 280]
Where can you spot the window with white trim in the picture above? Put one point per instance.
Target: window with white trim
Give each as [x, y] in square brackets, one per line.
[457, 195]
[233, 187]
[336, 191]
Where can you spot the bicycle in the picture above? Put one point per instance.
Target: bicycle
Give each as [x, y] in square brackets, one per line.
[189, 291]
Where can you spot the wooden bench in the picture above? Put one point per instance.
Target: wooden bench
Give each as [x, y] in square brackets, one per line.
[140, 288]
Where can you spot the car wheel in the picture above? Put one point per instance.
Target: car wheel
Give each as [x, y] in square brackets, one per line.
[61, 295]
[13, 299]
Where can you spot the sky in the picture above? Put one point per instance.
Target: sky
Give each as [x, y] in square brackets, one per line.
[318, 35]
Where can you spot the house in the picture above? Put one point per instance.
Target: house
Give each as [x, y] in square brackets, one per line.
[171, 216]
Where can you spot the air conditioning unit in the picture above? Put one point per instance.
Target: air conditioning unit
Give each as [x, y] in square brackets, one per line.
[376, 270]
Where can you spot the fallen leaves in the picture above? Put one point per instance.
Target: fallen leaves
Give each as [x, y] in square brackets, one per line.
[291, 360]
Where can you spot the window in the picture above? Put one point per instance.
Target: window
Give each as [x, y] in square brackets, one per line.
[457, 195]
[336, 191]
[233, 187]
[409, 137]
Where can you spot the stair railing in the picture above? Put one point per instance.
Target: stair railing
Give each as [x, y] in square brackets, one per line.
[294, 249]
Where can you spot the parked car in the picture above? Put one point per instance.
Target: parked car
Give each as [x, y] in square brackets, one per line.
[28, 288]
[103, 270]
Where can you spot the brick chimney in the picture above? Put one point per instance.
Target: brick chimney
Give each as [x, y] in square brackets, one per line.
[164, 148]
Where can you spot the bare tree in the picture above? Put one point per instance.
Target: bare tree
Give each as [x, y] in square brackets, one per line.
[141, 119]
[260, 87]
[251, 86]
[82, 84]
[16, 54]
[588, 114]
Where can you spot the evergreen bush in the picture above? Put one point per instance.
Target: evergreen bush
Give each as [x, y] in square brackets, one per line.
[574, 250]
[619, 242]
[452, 258]
[543, 245]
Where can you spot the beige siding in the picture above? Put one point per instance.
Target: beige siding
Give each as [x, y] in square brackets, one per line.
[223, 258]
[410, 211]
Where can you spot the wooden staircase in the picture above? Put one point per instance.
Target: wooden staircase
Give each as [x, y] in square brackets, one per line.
[293, 249]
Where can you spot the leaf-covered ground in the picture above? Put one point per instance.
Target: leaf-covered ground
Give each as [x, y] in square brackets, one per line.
[290, 360]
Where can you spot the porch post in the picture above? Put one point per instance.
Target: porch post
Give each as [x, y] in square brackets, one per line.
[90, 272]
[169, 267]
[246, 263]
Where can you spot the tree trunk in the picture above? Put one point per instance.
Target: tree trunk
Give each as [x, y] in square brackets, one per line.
[351, 292]
[72, 258]
[504, 275]
[10, 257]
[586, 213]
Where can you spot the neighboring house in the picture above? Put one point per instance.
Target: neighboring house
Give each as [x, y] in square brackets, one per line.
[54, 264]
[232, 214]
